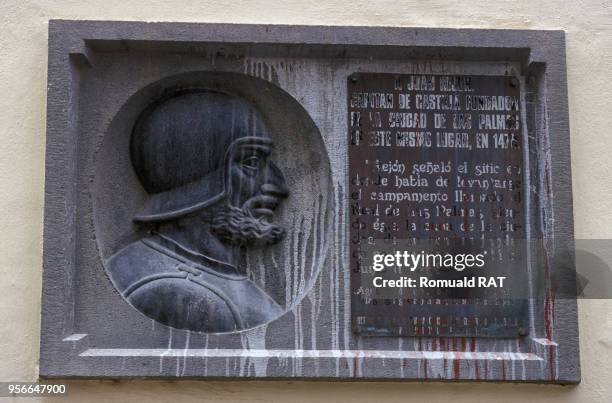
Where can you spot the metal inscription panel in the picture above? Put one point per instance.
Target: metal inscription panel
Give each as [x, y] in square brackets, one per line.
[434, 160]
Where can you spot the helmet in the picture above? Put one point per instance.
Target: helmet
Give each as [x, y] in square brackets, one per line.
[179, 149]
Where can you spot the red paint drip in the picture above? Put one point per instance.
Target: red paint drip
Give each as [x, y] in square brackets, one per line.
[547, 316]
[457, 361]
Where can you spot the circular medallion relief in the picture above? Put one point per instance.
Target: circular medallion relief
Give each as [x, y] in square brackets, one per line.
[212, 201]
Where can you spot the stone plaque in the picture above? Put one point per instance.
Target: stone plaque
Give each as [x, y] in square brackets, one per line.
[434, 157]
[211, 189]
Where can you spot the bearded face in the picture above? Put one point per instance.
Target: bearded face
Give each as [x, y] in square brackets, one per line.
[237, 226]
[256, 189]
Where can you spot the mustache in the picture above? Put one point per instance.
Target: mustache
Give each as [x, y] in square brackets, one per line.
[238, 226]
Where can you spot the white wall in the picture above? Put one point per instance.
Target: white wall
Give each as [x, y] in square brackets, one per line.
[23, 47]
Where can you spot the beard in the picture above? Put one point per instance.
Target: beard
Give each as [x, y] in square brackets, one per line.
[239, 227]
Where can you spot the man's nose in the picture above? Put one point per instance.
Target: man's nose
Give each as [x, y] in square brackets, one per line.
[275, 183]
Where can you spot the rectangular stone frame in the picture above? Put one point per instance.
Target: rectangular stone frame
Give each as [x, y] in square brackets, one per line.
[549, 354]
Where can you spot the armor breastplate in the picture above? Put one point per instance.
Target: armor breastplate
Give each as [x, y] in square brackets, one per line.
[179, 292]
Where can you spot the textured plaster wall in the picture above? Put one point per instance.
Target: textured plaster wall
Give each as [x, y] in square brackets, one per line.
[23, 47]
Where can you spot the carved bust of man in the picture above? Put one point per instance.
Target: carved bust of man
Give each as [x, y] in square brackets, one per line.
[203, 157]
